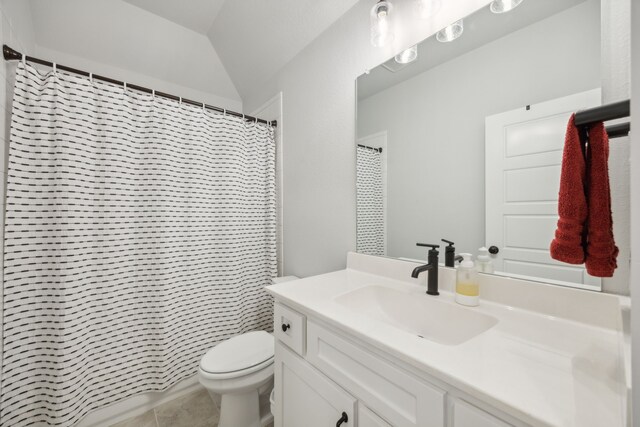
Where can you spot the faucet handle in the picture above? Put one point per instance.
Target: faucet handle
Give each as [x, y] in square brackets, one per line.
[433, 250]
[428, 245]
[449, 242]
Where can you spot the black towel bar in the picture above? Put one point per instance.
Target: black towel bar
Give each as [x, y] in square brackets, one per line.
[617, 110]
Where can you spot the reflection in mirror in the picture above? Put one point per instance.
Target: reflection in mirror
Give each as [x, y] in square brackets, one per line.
[465, 142]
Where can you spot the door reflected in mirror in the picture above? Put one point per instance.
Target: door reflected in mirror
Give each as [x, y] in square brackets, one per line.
[465, 143]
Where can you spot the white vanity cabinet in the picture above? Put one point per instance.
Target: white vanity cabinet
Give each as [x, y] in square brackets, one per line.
[305, 397]
[322, 377]
[466, 415]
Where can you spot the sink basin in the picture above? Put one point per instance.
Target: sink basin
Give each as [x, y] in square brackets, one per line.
[421, 315]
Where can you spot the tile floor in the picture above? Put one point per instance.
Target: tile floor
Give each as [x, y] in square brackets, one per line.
[195, 409]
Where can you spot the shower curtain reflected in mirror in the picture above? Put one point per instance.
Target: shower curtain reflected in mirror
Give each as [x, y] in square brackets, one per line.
[370, 212]
[139, 233]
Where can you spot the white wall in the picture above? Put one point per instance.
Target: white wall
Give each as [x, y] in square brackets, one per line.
[436, 123]
[318, 88]
[122, 41]
[635, 209]
[616, 86]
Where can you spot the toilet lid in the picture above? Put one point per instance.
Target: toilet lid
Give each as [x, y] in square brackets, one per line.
[239, 353]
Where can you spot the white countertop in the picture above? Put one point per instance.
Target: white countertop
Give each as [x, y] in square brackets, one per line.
[544, 370]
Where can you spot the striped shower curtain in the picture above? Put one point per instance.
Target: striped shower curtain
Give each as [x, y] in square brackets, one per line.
[139, 233]
[370, 217]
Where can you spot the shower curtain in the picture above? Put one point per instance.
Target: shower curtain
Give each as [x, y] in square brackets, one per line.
[370, 218]
[140, 232]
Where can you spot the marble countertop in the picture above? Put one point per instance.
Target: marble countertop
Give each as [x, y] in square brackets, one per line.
[535, 364]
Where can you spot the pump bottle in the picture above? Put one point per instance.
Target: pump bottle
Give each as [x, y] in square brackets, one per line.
[467, 287]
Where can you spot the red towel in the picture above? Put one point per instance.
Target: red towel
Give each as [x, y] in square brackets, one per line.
[568, 245]
[601, 248]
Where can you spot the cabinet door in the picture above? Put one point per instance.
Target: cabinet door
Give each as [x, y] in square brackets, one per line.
[367, 418]
[305, 397]
[400, 397]
[466, 415]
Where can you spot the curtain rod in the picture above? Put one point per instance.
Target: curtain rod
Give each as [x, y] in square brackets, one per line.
[12, 54]
[379, 150]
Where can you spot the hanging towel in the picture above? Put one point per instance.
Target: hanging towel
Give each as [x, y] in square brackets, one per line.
[568, 245]
[601, 250]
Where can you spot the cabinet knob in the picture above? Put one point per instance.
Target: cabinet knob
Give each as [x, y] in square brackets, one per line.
[494, 250]
[343, 419]
[285, 327]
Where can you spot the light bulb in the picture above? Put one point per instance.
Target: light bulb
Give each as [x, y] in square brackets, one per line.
[451, 32]
[407, 55]
[502, 6]
[381, 33]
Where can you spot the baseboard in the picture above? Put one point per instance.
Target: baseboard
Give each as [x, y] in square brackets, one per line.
[137, 405]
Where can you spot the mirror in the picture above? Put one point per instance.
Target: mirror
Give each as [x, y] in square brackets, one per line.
[465, 143]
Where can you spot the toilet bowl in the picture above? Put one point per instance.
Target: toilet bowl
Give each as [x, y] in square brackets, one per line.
[239, 369]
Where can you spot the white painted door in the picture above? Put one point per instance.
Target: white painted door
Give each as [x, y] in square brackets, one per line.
[465, 415]
[305, 397]
[522, 178]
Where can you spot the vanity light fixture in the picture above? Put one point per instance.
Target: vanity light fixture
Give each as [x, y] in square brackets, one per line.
[407, 55]
[502, 6]
[381, 33]
[450, 32]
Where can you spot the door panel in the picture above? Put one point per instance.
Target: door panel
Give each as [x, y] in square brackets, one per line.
[305, 397]
[522, 174]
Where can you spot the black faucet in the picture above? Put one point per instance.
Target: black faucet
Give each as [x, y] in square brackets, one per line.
[432, 267]
[450, 257]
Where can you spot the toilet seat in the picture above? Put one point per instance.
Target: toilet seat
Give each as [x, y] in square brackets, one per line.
[238, 356]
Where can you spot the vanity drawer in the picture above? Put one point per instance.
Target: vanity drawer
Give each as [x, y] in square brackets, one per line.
[402, 399]
[289, 327]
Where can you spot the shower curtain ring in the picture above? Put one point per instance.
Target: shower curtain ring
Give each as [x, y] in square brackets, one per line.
[24, 59]
[125, 86]
[225, 112]
[180, 100]
[91, 77]
[55, 68]
[153, 93]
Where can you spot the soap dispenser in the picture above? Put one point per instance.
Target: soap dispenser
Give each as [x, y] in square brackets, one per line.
[467, 287]
[484, 261]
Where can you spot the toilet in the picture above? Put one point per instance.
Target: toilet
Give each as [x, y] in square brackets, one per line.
[239, 369]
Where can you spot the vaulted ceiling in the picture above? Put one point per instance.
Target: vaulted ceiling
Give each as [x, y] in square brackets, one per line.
[197, 15]
[224, 48]
[253, 38]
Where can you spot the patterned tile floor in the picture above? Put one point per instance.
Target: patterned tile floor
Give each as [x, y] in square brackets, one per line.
[195, 409]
